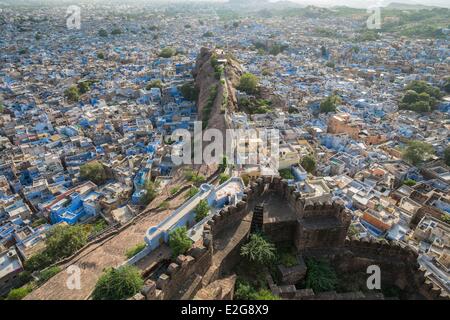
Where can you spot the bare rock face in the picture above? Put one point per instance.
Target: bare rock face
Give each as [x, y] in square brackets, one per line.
[207, 82]
[217, 93]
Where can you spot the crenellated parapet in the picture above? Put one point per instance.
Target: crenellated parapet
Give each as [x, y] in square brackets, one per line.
[177, 274]
[382, 249]
[226, 217]
[318, 229]
[398, 264]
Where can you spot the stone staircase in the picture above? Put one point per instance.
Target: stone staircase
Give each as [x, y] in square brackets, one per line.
[257, 221]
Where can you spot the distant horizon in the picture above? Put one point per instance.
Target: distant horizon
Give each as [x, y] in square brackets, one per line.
[318, 3]
[369, 3]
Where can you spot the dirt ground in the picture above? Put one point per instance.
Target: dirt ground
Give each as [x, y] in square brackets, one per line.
[110, 253]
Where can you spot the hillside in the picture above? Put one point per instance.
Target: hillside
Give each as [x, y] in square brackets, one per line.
[216, 74]
[408, 6]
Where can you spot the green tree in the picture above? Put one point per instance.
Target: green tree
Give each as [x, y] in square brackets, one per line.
[287, 257]
[330, 64]
[259, 250]
[201, 210]
[98, 226]
[84, 87]
[367, 35]
[320, 276]
[277, 49]
[154, 84]
[352, 231]
[189, 91]
[224, 164]
[246, 179]
[189, 175]
[244, 291]
[447, 85]
[265, 294]
[116, 31]
[174, 190]
[409, 182]
[19, 293]
[330, 103]
[420, 97]
[420, 106]
[410, 97]
[194, 177]
[25, 277]
[198, 179]
[118, 284]
[223, 177]
[63, 241]
[447, 155]
[424, 87]
[164, 205]
[72, 94]
[135, 250]
[309, 164]
[38, 261]
[248, 83]
[286, 174]
[48, 273]
[192, 192]
[208, 34]
[417, 152]
[446, 218]
[94, 171]
[101, 55]
[151, 191]
[102, 33]
[167, 52]
[179, 241]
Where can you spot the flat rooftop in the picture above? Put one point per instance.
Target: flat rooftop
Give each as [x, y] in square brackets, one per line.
[9, 264]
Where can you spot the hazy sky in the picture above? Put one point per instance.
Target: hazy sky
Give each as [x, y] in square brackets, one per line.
[367, 3]
[350, 3]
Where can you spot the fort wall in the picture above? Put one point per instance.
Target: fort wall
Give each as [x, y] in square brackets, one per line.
[202, 266]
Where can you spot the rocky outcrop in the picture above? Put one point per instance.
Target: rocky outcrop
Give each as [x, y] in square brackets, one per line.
[216, 90]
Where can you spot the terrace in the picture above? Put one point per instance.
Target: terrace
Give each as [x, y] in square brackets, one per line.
[217, 197]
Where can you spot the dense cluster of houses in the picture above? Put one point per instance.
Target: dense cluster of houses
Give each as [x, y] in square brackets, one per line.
[358, 148]
[46, 137]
